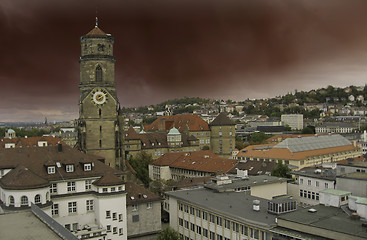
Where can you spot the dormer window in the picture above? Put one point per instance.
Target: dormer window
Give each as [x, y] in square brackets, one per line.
[70, 168]
[87, 167]
[51, 170]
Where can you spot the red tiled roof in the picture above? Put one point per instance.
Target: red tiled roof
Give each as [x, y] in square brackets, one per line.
[22, 178]
[30, 141]
[139, 194]
[165, 123]
[203, 161]
[108, 179]
[284, 153]
[36, 160]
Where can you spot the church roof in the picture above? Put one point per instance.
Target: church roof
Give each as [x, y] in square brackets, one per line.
[96, 31]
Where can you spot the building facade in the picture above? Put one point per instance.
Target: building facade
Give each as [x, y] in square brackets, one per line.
[294, 121]
[77, 190]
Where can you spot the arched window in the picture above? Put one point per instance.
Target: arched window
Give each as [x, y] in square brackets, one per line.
[99, 74]
[11, 200]
[24, 201]
[37, 199]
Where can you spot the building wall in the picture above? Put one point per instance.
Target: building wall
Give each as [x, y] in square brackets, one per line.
[196, 222]
[268, 191]
[307, 189]
[149, 220]
[203, 137]
[295, 121]
[222, 140]
[356, 186]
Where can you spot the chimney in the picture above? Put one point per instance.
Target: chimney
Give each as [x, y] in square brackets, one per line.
[59, 147]
[256, 205]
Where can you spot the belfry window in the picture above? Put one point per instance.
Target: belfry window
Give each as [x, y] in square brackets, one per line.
[98, 74]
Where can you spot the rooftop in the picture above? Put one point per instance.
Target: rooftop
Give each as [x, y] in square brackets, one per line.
[234, 205]
[327, 218]
[139, 194]
[193, 122]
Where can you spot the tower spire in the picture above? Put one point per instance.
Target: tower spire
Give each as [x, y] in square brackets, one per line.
[96, 22]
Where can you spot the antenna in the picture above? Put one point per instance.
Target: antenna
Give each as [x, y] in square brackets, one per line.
[96, 17]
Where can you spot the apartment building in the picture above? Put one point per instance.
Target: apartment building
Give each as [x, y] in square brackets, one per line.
[77, 190]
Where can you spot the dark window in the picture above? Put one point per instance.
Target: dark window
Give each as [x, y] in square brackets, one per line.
[135, 218]
[98, 74]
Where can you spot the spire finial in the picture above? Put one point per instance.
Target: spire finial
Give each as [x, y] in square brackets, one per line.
[97, 16]
[96, 21]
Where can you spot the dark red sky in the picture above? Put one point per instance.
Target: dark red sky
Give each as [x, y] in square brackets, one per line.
[223, 49]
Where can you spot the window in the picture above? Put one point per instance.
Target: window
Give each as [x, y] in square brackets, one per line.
[227, 224]
[120, 217]
[51, 170]
[244, 230]
[53, 188]
[108, 228]
[67, 226]
[220, 134]
[149, 205]
[317, 184]
[121, 232]
[134, 207]
[135, 218]
[11, 200]
[89, 204]
[70, 168]
[317, 196]
[87, 167]
[198, 213]
[113, 189]
[186, 208]
[108, 214]
[309, 182]
[24, 201]
[326, 185]
[55, 209]
[219, 237]
[301, 193]
[235, 227]
[192, 210]
[114, 216]
[219, 221]
[104, 189]
[114, 230]
[37, 199]
[99, 74]
[180, 221]
[187, 224]
[72, 207]
[71, 186]
[75, 226]
[211, 218]
[192, 227]
[212, 235]
[205, 232]
[301, 181]
[88, 184]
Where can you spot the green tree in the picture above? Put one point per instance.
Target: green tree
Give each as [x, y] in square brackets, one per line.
[169, 234]
[140, 164]
[281, 170]
[307, 130]
[258, 138]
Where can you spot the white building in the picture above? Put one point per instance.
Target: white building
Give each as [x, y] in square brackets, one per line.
[294, 121]
[77, 190]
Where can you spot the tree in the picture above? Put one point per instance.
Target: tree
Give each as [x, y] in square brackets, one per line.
[140, 164]
[169, 234]
[258, 138]
[307, 130]
[281, 170]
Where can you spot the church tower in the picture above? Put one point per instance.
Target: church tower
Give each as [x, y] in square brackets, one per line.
[98, 103]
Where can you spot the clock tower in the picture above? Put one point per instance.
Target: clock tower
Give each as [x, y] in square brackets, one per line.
[98, 123]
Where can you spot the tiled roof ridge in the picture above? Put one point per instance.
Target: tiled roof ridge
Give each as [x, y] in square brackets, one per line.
[222, 120]
[96, 31]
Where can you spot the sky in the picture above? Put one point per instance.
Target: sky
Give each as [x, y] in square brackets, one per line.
[164, 49]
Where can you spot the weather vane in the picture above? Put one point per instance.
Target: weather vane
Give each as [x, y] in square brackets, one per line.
[96, 16]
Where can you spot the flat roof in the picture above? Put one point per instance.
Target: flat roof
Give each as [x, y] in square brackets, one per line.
[24, 225]
[328, 218]
[335, 192]
[234, 205]
[355, 175]
[250, 181]
[325, 174]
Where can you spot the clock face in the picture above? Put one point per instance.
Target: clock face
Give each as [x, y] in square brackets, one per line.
[99, 97]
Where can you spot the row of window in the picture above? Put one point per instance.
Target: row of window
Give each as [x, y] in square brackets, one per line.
[71, 187]
[309, 195]
[24, 200]
[69, 168]
[72, 207]
[113, 216]
[236, 227]
[219, 221]
[135, 207]
[309, 183]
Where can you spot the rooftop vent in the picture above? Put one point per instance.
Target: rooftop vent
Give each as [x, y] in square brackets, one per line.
[256, 205]
[312, 210]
